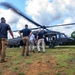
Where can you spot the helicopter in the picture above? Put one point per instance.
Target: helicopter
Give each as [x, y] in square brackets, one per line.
[52, 38]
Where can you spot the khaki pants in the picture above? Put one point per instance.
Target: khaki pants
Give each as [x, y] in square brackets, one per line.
[3, 46]
[36, 41]
[26, 42]
[41, 41]
[31, 45]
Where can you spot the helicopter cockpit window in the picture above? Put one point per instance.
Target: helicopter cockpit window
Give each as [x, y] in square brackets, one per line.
[47, 38]
[57, 36]
[62, 36]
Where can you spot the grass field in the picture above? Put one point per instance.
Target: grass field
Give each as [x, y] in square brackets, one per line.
[57, 61]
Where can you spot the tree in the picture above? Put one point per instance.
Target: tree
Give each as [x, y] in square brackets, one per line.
[73, 34]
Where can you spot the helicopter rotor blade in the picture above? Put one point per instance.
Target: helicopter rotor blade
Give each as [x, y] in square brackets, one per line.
[24, 16]
[20, 13]
[30, 29]
[69, 24]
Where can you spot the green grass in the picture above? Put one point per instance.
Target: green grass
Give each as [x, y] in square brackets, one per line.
[64, 56]
[29, 61]
[21, 73]
[0, 71]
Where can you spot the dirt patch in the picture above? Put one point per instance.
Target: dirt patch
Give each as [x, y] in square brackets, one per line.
[9, 73]
[42, 67]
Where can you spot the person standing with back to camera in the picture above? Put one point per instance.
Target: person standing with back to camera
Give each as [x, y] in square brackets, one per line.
[3, 38]
[25, 38]
[31, 42]
[40, 38]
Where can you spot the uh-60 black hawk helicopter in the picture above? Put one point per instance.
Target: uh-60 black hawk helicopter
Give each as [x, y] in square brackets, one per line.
[52, 38]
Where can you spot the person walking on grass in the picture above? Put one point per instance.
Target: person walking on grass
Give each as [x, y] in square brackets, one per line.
[40, 38]
[25, 38]
[31, 42]
[4, 27]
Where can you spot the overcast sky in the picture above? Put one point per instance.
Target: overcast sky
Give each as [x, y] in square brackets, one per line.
[44, 12]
